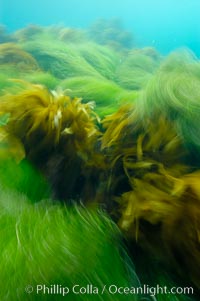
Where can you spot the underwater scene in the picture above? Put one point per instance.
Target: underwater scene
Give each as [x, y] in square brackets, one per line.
[99, 150]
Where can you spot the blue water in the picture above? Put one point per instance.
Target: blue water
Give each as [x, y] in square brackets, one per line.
[164, 24]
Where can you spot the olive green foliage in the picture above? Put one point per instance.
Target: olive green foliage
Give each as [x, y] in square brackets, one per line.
[141, 166]
[137, 68]
[11, 54]
[8, 76]
[67, 57]
[107, 95]
[61, 59]
[103, 59]
[12, 81]
[174, 92]
[70, 35]
[50, 244]
[14, 64]
[88, 69]
[44, 78]
[28, 33]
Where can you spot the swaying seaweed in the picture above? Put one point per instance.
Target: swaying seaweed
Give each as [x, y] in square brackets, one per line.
[11, 54]
[153, 185]
[40, 119]
[137, 68]
[60, 59]
[14, 63]
[5, 83]
[106, 94]
[103, 59]
[84, 63]
[70, 35]
[78, 65]
[174, 92]
[48, 244]
[19, 177]
[58, 134]
[30, 32]
[141, 163]
[44, 78]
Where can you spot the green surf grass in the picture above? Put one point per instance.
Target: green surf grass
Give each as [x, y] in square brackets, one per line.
[137, 68]
[107, 95]
[22, 177]
[49, 244]
[174, 92]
